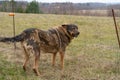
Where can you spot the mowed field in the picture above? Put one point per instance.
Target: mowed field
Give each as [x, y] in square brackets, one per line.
[94, 55]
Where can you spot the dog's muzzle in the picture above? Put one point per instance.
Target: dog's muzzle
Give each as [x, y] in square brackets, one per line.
[76, 34]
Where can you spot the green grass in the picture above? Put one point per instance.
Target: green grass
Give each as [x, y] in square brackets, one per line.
[94, 55]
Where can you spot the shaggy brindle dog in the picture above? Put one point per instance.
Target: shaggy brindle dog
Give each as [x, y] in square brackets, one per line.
[51, 41]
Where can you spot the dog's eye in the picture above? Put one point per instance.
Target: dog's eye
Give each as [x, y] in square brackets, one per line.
[73, 28]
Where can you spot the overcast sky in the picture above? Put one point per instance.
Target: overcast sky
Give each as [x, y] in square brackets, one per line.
[76, 1]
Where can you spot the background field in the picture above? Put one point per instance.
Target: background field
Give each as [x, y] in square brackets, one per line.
[94, 55]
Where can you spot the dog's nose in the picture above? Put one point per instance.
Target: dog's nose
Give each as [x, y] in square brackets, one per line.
[78, 33]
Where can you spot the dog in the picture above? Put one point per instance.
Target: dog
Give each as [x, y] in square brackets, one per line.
[53, 40]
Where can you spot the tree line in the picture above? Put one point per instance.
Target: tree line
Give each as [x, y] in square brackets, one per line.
[20, 6]
[92, 9]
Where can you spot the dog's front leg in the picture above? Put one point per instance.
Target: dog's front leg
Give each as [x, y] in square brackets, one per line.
[62, 59]
[54, 57]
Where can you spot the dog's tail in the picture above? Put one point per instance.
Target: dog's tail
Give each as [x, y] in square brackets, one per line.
[17, 38]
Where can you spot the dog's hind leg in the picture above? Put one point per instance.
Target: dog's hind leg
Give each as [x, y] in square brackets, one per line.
[54, 57]
[26, 56]
[36, 63]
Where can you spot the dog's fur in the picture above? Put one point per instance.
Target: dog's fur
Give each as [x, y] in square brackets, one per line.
[52, 41]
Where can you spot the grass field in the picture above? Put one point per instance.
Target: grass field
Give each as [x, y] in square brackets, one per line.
[94, 55]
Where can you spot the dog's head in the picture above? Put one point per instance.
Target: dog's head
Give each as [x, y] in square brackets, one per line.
[71, 29]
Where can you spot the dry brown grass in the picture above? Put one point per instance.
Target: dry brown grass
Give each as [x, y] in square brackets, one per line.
[94, 55]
